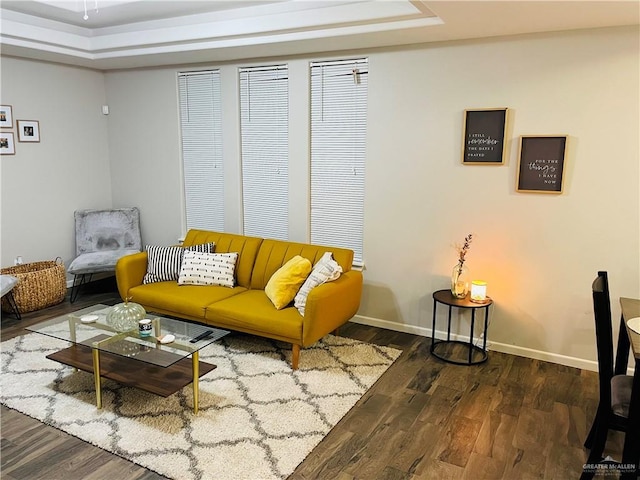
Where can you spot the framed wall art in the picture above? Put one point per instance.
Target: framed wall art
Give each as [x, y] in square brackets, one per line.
[542, 163]
[7, 145]
[28, 131]
[6, 116]
[484, 136]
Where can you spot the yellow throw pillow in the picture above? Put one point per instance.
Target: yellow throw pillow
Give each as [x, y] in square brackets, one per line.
[287, 280]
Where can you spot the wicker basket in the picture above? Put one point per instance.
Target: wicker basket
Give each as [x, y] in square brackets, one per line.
[40, 285]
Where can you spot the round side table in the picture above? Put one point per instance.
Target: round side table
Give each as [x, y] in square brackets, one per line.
[438, 347]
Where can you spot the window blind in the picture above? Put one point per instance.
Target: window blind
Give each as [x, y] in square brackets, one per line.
[338, 153]
[201, 128]
[264, 130]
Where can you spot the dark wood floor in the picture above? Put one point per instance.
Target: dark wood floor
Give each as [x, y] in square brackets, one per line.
[509, 418]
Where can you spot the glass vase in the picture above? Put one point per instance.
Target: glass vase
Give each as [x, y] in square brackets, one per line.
[460, 281]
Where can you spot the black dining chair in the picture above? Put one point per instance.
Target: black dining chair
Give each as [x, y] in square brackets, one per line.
[615, 390]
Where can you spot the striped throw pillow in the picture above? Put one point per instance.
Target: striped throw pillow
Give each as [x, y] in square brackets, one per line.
[164, 263]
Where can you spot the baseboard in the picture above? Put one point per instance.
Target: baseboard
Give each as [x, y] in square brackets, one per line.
[581, 363]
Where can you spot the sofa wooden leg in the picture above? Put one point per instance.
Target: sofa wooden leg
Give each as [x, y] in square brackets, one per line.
[295, 356]
[336, 332]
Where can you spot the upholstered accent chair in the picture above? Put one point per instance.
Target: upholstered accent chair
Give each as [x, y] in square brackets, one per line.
[102, 238]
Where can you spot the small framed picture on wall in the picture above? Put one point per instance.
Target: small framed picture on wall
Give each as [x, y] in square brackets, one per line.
[542, 163]
[6, 116]
[7, 147]
[28, 131]
[484, 137]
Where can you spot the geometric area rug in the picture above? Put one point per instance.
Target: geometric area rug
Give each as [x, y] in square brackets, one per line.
[257, 419]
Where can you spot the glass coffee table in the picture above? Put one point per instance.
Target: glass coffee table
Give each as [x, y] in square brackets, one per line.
[128, 358]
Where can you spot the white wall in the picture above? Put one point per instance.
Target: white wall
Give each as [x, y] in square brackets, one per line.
[43, 183]
[144, 146]
[538, 252]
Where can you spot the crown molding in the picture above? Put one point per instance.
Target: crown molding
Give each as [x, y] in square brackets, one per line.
[279, 25]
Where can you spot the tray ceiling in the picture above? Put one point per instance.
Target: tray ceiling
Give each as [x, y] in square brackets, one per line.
[145, 33]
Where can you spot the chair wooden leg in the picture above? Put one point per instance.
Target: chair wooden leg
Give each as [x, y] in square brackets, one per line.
[599, 442]
[588, 443]
[295, 356]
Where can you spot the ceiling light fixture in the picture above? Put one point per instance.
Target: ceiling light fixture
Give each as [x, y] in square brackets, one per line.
[86, 16]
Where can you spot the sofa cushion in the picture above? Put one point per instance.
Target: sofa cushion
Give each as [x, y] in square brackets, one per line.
[252, 311]
[189, 300]
[326, 270]
[275, 253]
[247, 248]
[164, 263]
[286, 281]
[199, 268]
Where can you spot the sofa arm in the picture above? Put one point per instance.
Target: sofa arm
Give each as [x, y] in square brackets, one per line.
[331, 305]
[130, 271]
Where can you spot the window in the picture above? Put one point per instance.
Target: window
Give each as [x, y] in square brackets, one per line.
[338, 148]
[264, 129]
[201, 128]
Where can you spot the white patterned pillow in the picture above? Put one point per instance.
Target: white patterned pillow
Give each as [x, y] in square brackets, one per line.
[164, 263]
[325, 270]
[208, 269]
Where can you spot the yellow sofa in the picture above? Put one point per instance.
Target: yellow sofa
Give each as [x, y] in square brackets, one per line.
[246, 307]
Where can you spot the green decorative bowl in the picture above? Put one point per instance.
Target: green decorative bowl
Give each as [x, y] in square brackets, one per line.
[125, 316]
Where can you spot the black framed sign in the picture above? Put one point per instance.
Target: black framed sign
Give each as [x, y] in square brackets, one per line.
[484, 136]
[541, 165]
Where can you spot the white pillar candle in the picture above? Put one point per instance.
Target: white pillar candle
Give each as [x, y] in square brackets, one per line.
[478, 291]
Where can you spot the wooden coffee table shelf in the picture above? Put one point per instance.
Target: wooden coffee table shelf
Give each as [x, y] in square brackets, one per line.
[127, 371]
